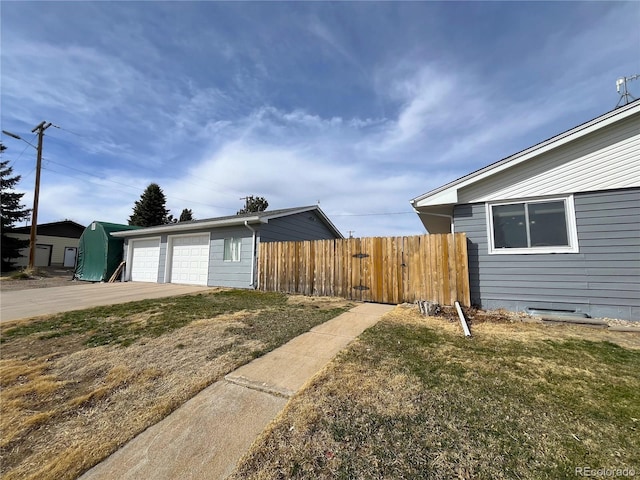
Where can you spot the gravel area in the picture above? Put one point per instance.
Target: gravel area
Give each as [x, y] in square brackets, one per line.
[46, 277]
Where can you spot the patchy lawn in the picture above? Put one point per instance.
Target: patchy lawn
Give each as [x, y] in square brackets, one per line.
[77, 385]
[413, 398]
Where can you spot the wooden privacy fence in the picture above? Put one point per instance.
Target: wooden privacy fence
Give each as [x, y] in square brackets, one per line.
[378, 269]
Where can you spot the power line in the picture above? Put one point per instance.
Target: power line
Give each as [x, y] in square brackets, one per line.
[196, 184]
[134, 187]
[370, 214]
[71, 131]
[13, 162]
[92, 175]
[24, 177]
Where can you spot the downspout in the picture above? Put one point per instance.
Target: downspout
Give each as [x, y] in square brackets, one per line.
[253, 253]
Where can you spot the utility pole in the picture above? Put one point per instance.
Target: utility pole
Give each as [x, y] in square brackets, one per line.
[34, 214]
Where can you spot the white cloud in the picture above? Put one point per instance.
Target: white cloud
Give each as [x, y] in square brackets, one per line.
[48, 75]
[209, 141]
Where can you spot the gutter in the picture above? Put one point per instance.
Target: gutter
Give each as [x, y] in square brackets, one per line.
[185, 227]
[253, 253]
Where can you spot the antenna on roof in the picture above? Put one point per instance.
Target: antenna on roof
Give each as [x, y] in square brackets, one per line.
[621, 87]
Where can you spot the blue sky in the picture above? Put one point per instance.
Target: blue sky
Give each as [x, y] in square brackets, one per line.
[360, 106]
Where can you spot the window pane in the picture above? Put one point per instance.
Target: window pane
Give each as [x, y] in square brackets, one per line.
[232, 249]
[227, 249]
[548, 224]
[509, 229]
[235, 249]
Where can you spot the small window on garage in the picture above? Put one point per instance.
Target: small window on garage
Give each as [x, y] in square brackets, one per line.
[232, 247]
[533, 226]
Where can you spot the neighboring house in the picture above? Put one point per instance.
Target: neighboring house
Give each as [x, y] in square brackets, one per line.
[219, 251]
[56, 244]
[556, 226]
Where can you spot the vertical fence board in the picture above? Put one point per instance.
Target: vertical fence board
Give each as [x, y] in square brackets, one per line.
[365, 270]
[452, 293]
[434, 261]
[386, 271]
[435, 267]
[338, 267]
[397, 291]
[354, 284]
[462, 267]
[378, 268]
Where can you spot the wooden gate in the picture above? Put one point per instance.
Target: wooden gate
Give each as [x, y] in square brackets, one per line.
[377, 269]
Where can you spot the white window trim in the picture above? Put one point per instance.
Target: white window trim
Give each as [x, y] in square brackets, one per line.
[232, 239]
[572, 233]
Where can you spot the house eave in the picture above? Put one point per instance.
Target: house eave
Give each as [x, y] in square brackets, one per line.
[448, 193]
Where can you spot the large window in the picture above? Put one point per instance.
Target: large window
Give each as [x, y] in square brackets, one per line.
[535, 226]
[232, 249]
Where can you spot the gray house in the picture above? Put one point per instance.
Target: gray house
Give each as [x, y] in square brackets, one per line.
[556, 226]
[219, 252]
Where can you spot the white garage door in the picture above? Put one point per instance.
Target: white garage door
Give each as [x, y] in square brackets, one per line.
[190, 259]
[145, 256]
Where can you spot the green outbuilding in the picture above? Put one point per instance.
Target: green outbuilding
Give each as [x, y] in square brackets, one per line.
[99, 254]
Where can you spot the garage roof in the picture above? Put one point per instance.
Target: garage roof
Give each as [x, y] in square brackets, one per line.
[65, 228]
[228, 221]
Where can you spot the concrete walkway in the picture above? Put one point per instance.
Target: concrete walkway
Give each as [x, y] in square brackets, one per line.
[16, 304]
[205, 438]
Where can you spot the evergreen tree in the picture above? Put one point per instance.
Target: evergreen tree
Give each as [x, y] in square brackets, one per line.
[11, 212]
[151, 209]
[254, 204]
[186, 215]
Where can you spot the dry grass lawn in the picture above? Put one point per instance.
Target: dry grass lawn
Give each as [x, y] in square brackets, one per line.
[76, 386]
[412, 398]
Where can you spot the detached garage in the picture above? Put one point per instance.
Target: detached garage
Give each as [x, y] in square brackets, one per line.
[220, 251]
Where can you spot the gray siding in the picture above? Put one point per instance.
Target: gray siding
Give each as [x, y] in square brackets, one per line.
[602, 280]
[230, 274]
[301, 226]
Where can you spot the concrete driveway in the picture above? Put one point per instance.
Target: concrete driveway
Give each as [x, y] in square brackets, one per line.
[44, 301]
